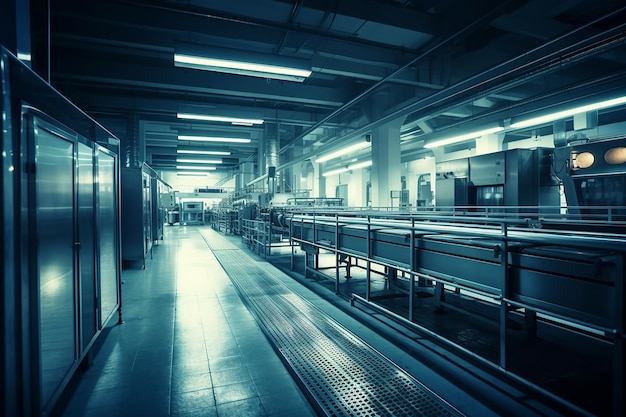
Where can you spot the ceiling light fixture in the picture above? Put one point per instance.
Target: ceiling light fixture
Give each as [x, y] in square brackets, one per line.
[191, 174]
[198, 152]
[200, 168]
[213, 139]
[567, 113]
[462, 138]
[363, 164]
[199, 161]
[212, 118]
[241, 62]
[343, 151]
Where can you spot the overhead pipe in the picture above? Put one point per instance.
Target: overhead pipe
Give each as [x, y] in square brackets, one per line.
[468, 84]
[272, 142]
[132, 152]
[200, 12]
[550, 67]
[379, 83]
[428, 51]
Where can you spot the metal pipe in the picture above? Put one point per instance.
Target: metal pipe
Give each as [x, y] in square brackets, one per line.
[469, 353]
[213, 14]
[423, 54]
[475, 81]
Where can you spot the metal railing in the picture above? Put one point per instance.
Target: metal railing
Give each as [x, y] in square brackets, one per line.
[326, 227]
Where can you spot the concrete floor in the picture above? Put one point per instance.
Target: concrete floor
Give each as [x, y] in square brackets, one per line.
[189, 346]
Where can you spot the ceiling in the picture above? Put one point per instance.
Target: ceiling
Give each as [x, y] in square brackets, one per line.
[435, 67]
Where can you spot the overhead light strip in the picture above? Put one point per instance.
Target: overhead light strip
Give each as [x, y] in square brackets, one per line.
[213, 118]
[359, 165]
[232, 66]
[199, 161]
[343, 151]
[199, 168]
[191, 174]
[199, 152]
[567, 113]
[464, 137]
[213, 139]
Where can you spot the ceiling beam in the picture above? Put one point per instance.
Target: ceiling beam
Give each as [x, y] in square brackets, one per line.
[90, 68]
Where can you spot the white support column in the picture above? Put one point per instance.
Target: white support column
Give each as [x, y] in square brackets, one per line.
[319, 181]
[386, 163]
[489, 143]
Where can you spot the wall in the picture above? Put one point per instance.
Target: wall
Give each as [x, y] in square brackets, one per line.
[357, 182]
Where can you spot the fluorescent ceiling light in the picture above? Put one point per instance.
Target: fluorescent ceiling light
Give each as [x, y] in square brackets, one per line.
[569, 112]
[191, 174]
[199, 161]
[343, 151]
[22, 56]
[213, 139]
[211, 118]
[361, 165]
[462, 138]
[191, 167]
[191, 151]
[243, 63]
[348, 168]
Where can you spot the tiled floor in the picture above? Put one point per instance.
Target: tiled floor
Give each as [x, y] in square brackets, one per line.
[188, 346]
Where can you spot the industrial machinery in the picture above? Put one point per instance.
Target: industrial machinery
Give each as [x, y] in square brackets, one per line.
[139, 213]
[512, 178]
[498, 271]
[593, 173]
[192, 213]
[500, 290]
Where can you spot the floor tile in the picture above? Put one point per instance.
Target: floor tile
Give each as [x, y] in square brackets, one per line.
[192, 401]
[188, 345]
[245, 408]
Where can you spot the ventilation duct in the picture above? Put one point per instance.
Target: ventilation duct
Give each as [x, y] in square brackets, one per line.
[132, 145]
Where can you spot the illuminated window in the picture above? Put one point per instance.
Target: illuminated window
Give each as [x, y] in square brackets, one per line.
[582, 160]
[615, 156]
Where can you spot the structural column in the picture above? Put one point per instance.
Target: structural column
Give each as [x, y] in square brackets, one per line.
[319, 180]
[489, 143]
[272, 142]
[246, 174]
[386, 163]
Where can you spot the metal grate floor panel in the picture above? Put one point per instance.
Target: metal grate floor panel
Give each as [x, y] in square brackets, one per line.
[344, 375]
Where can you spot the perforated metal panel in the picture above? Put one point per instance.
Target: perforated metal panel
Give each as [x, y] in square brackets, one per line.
[343, 374]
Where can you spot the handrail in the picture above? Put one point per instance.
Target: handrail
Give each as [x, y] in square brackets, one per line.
[499, 229]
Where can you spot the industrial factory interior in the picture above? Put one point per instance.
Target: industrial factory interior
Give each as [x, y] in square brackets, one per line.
[313, 208]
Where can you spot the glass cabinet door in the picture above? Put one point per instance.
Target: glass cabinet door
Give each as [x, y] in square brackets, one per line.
[54, 194]
[107, 221]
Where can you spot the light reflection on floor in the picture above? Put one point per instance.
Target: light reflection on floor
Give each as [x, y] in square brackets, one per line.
[188, 347]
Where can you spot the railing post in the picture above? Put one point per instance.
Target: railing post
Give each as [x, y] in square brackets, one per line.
[412, 270]
[368, 274]
[504, 253]
[337, 254]
[291, 243]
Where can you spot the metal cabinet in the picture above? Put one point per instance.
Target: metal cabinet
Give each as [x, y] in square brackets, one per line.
[60, 239]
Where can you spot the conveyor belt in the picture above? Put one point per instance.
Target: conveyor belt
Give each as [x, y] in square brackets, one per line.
[344, 375]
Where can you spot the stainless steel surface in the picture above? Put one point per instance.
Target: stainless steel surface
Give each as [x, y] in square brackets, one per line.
[136, 214]
[55, 257]
[50, 199]
[573, 279]
[87, 239]
[108, 238]
[597, 186]
[343, 375]
[487, 169]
